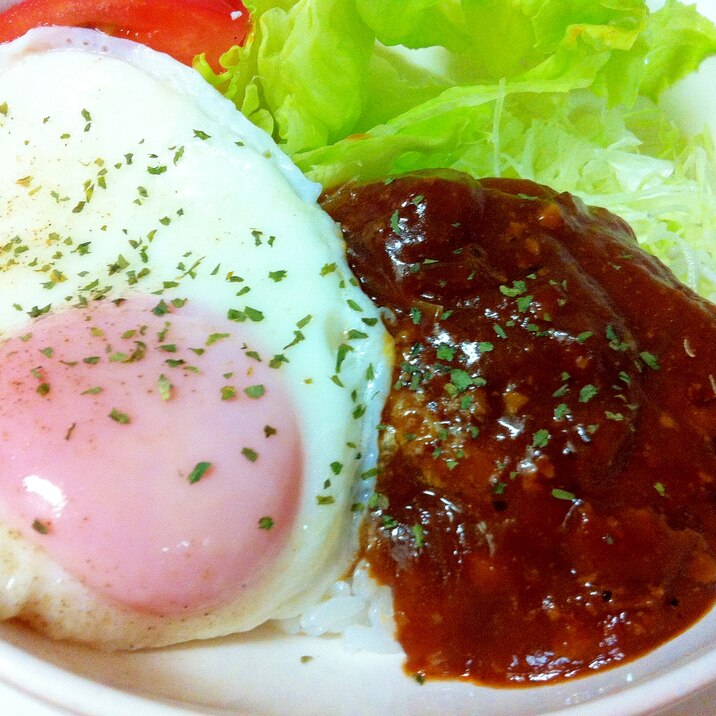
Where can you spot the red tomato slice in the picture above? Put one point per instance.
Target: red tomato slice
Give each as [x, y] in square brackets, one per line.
[181, 28]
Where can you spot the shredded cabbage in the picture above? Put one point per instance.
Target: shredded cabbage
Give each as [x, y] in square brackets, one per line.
[563, 93]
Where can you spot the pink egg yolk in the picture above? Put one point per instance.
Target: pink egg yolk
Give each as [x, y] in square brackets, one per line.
[150, 450]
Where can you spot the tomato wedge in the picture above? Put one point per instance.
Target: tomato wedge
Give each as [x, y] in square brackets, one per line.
[181, 28]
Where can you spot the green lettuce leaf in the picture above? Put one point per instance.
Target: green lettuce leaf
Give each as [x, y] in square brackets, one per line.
[418, 23]
[494, 39]
[679, 39]
[560, 93]
[316, 71]
[300, 74]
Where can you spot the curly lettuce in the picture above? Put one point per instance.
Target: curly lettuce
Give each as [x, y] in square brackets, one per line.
[564, 94]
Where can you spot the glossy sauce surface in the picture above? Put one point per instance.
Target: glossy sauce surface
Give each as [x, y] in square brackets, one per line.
[546, 504]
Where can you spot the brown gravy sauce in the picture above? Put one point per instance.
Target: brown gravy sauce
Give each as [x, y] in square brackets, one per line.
[546, 505]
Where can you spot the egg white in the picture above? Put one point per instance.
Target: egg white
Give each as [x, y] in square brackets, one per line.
[108, 144]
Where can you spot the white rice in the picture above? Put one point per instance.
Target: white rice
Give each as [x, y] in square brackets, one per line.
[357, 608]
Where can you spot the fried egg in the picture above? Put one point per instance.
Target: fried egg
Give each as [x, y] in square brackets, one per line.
[191, 377]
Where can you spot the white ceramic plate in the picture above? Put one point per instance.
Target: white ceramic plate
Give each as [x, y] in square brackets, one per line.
[263, 673]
